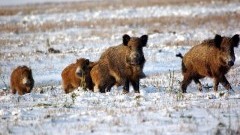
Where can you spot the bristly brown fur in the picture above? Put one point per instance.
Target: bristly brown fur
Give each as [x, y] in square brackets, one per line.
[70, 79]
[101, 78]
[114, 65]
[212, 58]
[16, 81]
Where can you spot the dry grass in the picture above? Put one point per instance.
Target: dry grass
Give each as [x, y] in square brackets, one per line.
[154, 24]
[91, 5]
[105, 27]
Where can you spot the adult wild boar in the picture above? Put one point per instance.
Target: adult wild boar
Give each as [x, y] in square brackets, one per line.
[212, 58]
[21, 80]
[121, 65]
[77, 75]
[101, 78]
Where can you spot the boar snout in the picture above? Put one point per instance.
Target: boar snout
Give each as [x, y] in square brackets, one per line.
[26, 81]
[80, 72]
[135, 58]
[230, 63]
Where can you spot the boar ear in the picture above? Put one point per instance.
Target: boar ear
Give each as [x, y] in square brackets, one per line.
[144, 39]
[235, 40]
[78, 60]
[126, 39]
[91, 64]
[218, 40]
[87, 61]
[30, 70]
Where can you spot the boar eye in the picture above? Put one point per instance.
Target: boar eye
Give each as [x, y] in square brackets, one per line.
[224, 49]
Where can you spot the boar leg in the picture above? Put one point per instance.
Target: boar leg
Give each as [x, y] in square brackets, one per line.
[96, 88]
[186, 81]
[126, 87]
[225, 83]
[68, 89]
[110, 85]
[198, 83]
[109, 88]
[102, 89]
[99, 88]
[135, 85]
[216, 82]
[14, 91]
[20, 92]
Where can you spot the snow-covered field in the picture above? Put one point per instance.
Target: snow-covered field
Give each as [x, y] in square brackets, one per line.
[86, 29]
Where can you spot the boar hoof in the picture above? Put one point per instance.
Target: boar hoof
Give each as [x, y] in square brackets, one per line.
[125, 92]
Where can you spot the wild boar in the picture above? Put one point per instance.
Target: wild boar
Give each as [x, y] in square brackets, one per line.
[77, 75]
[212, 58]
[21, 80]
[101, 78]
[122, 64]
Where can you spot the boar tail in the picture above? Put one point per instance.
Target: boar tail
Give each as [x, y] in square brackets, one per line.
[179, 55]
